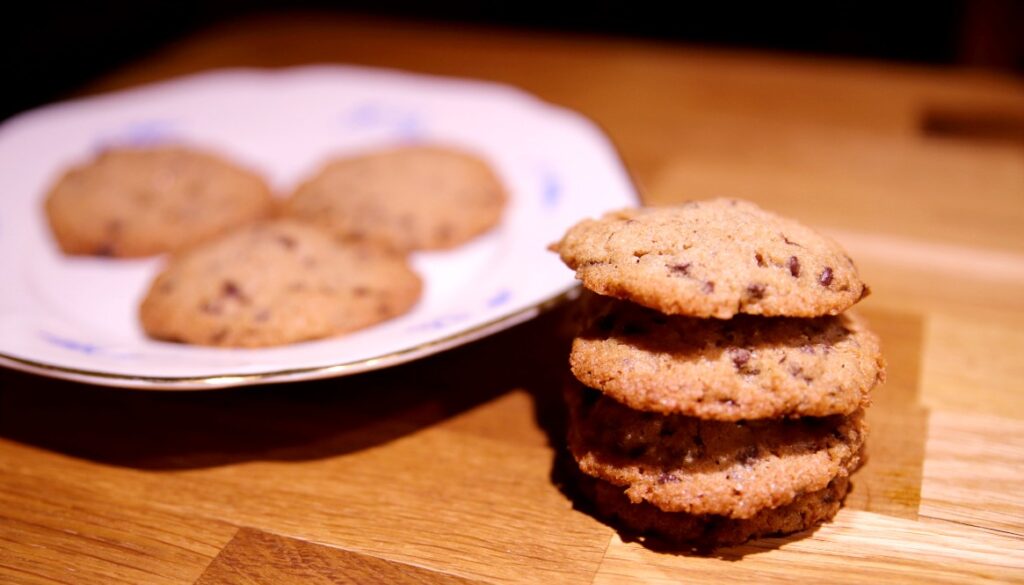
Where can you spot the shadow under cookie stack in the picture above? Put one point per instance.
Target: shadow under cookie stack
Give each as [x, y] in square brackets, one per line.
[719, 387]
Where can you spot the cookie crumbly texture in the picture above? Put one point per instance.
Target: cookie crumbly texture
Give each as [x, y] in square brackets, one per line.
[130, 202]
[714, 258]
[273, 283]
[730, 469]
[411, 198]
[747, 367]
[711, 531]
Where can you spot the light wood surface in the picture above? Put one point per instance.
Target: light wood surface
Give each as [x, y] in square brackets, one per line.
[445, 470]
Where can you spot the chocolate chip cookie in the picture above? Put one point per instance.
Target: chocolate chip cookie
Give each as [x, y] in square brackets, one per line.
[709, 531]
[142, 201]
[273, 283]
[747, 367]
[411, 198]
[731, 469]
[715, 258]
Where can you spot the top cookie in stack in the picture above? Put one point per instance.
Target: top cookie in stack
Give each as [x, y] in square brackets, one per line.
[716, 258]
[722, 397]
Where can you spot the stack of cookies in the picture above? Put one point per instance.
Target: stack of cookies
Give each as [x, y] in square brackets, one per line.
[719, 388]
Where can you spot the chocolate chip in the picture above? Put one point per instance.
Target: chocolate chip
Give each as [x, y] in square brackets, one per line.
[709, 287]
[230, 289]
[756, 291]
[798, 372]
[747, 455]
[105, 249]
[740, 357]
[682, 268]
[211, 308]
[794, 266]
[286, 241]
[826, 277]
[759, 259]
[666, 477]
[445, 232]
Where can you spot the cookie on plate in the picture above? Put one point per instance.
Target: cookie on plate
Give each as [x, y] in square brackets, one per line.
[714, 258]
[411, 198]
[685, 464]
[272, 283]
[747, 367]
[142, 201]
[710, 531]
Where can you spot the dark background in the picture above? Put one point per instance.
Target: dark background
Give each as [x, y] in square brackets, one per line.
[50, 49]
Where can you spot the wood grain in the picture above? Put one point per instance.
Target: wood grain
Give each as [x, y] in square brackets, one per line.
[890, 480]
[857, 547]
[253, 556]
[974, 365]
[841, 179]
[361, 461]
[444, 470]
[53, 532]
[973, 472]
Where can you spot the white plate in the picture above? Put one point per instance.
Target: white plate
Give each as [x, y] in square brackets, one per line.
[75, 317]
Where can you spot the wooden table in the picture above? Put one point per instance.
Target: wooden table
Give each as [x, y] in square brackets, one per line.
[443, 470]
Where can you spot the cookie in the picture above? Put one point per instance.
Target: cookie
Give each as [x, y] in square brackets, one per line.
[710, 531]
[142, 201]
[273, 283]
[747, 367]
[412, 198]
[714, 258]
[684, 464]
